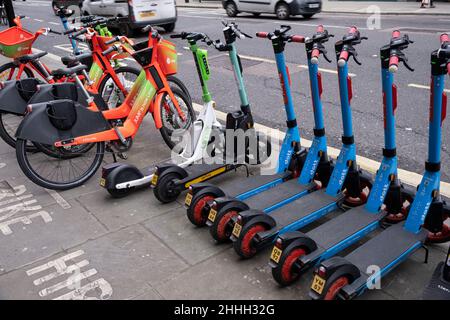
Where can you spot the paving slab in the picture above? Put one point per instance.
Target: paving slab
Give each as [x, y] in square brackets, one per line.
[29, 231]
[192, 243]
[118, 213]
[116, 266]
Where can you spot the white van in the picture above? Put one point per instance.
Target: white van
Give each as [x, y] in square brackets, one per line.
[283, 9]
[140, 12]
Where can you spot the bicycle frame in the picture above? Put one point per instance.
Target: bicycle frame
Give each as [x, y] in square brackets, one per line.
[147, 91]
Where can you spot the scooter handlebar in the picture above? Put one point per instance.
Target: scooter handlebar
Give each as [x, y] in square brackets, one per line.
[393, 63]
[297, 38]
[109, 50]
[396, 34]
[70, 31]
[343, 58]
[262, 34]
[79, 33]
[315, 56]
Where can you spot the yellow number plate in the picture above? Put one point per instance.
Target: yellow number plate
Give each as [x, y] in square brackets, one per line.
[318, 284]
[154, 179]
[188, 199]
[276, 254]
[102, 182]
[237, 230]
[212, 215]
[147, 14]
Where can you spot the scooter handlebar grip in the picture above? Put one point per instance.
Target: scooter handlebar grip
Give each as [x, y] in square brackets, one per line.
[70, 31]
[445, 38]
[343, 57]
[448, 68]
[262, 34]
[353, 29]
[393, 64]
[396, 34]
[315, 56]
[298, 39]
[114, 39]
[320, 28]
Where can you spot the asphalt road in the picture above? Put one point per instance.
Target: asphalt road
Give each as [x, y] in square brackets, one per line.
[262, 80]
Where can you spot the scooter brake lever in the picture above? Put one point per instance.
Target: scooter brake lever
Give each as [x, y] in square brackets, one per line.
[324, 53]
[407, 65]
[356, 60]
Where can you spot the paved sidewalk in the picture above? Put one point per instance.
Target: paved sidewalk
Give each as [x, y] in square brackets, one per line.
[81, 244]
[355, 7]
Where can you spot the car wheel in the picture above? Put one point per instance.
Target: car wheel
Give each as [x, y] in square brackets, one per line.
[169, 27]
[125, 29]
[307, 16]
[231, 9]
[282, 11]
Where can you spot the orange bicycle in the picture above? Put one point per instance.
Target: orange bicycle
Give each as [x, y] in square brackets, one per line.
[82, 132]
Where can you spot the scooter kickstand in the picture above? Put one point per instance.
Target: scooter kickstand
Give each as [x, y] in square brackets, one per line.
[427, 253]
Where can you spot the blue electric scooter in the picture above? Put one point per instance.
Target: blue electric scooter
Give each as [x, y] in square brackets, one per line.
[254, 229]
[350, 276]
[295, 252]
[316, 165]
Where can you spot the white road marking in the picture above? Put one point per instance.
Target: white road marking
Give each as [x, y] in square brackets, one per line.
[54, 23]
[420, 86]
[59, 199]
[38, 20]
[2, 165]
[97, 289]
[408, 177]
[300, 66]
[14, 202]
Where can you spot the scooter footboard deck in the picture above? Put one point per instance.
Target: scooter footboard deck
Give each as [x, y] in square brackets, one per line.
[235, 187]
[438, 288]
[342, 227]
[385, 248]
[201, 169]
[305, 208]
[278, 194]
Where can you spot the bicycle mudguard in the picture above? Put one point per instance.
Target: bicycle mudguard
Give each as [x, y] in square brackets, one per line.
[15, 95]
[36, 125]
[156, 110]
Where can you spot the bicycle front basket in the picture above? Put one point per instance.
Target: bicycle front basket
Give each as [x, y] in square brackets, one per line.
[15, 42]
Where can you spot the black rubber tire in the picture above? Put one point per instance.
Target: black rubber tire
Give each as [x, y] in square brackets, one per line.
[125, 30]
[219, 222]
[123, 176]
[180, 85]
[169, 27]
[166, 133]
[282, 11]
[190, 212]
[277, 272]
[22, 159]
[122, 69]
[162, 189]
[3, 132]
[231, 9]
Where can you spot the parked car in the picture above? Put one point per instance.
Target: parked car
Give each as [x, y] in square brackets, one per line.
[139, 13]
[282, 8]
[65, 3]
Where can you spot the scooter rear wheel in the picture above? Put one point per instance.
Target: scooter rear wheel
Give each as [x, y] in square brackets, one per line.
[195, 211]
[243, 245]
[59, 173]
[220, 231]
[335, 287]
[284, 272]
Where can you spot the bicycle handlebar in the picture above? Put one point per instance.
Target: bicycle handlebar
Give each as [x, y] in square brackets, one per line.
[109, 50]
[114, 39]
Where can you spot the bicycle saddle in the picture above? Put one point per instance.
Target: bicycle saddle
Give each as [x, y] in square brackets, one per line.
[68, 71]
[31, 57]
[71, 61]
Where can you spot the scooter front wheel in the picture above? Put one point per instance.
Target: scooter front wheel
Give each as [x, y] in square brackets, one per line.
[63, 172]
[334, 288]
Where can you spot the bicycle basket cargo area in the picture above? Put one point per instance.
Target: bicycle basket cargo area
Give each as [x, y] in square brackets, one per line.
[15, 42]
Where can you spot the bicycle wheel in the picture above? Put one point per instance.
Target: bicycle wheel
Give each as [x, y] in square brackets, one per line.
[60, 173]
[109, 90]
[10, 122]
[171, 122]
